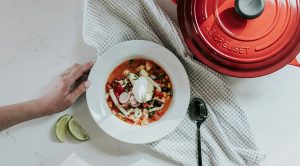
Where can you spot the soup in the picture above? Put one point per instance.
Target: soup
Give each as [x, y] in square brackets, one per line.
[138, 91]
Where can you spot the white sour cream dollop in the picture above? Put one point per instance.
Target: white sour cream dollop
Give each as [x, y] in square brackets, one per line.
[142, 90]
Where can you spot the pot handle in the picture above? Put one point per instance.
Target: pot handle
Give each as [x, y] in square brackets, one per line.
[296, 61]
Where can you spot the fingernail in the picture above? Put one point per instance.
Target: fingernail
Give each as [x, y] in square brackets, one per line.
[93, 61]
[87, 83]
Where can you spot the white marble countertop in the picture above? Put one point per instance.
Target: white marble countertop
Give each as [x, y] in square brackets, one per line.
[40, 39]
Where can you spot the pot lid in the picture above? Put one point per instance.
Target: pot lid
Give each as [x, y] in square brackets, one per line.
[242, 38]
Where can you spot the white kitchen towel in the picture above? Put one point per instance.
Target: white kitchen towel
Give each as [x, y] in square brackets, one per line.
[74, 160]
[143, 162]
[226, 135]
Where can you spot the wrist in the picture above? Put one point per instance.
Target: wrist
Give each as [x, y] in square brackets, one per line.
[39, 107]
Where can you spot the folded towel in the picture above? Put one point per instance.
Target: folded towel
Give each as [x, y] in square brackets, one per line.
[74, 160]
[226, 135]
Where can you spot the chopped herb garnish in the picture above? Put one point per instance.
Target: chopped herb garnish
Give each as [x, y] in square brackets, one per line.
[165, 89]
[157, 103]
[160, 76]
[127, 89]
[150, 102]
[114, 85]
[130, 62]
[150, 114]
[171, 92]
[121, 113]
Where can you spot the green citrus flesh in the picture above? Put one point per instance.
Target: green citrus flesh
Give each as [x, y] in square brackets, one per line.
[77, 131]
[62, 127]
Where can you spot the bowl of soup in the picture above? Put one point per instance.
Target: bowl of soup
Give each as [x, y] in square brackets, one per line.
[139, 93]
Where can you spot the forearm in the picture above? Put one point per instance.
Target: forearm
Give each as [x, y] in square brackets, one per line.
[17, 113]
[60, 96]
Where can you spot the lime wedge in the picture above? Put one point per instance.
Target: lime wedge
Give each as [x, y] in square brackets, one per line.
[77, 131]
[62, 127]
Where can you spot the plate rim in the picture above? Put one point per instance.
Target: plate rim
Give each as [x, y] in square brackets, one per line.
[126, 57]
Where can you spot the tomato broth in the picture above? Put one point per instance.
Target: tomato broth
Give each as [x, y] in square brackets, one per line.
[148, 104]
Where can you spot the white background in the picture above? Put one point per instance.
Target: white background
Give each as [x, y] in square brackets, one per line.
[39, 39]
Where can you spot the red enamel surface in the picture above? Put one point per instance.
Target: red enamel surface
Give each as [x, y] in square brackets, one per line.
[240, 47]
[295, 62]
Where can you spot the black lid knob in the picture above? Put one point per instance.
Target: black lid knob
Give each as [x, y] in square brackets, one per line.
[249, 9]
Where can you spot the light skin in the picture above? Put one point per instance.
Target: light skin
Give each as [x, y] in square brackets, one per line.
[64, 92]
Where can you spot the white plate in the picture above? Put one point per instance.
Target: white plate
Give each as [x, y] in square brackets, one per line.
[110, 123]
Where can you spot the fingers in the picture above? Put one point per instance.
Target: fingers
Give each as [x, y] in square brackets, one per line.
[78, 70]
[68, 71]
[79, 90]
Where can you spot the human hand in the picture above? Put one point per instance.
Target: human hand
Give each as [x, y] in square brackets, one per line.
[66, 89]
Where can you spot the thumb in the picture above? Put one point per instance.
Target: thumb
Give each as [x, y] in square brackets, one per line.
[80, 89]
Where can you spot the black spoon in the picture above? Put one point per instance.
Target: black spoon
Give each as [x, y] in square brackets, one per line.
[198, 113]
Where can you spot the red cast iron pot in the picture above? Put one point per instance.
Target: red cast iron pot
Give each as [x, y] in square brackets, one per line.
[241, 38]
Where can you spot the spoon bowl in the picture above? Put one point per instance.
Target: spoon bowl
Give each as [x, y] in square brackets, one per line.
[197, 110]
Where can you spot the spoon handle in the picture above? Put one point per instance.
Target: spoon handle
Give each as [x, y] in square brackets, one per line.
[199, 145]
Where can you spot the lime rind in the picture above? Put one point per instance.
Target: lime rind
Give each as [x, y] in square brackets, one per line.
[77, 131]
[62, 127]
